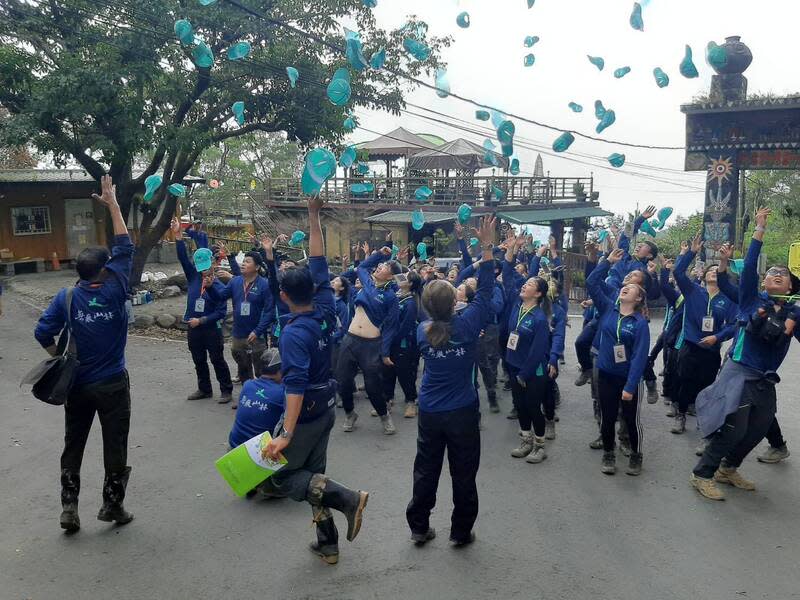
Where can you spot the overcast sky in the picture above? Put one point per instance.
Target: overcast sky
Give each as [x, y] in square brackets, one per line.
[485, 63]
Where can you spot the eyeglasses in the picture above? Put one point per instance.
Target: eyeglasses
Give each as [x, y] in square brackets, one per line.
[778, 272]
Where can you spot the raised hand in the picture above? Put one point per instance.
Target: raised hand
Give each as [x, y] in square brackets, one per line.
[684, 247]
[616, 256]
[541, 250]
[669, 264]
[459, 230]
[486, 230]
[175, 227]
[726, 251]
[267, 243]
[649, 212]
[315, 203]
[762, 214]
[108, 193]
[697, 242]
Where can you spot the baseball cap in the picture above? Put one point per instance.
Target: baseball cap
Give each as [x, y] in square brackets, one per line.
[271, 361]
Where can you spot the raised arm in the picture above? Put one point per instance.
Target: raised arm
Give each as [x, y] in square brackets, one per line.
[476, 313]
[748, 280]
[641, 346]
[667, 289]
[122, 249]
[180, 248]
[595, 283]
[686, 285]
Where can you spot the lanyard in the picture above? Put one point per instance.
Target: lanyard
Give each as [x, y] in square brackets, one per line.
[247, 287]
[619, 325]
[202, 289]
[522, 315]
[708, 308]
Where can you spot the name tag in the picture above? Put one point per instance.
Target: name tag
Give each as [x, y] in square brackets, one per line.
[244, 310]
[620, 356]
[513, 340]
[708, 324]
[200, 305]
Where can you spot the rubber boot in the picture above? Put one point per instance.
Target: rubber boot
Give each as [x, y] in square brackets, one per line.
[325, 492]
[327, 544]
[113, 495]
[70, 488]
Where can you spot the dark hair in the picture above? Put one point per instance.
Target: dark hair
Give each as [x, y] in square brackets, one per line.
[469, 292]
[298, 285]
[653, 247]
[256, 256]
[544, 302]
[415, 283]
[395, 267]
[345, 286]
[90, 262]
[438, 300]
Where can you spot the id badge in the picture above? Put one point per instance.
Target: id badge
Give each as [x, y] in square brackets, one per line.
[620, 355]
[200, 305]
[708, 324]
[513, 340]
[245, 309]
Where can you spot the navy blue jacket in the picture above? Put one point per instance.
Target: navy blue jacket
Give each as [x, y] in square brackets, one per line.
[262, 308]
[406, 336]
[343, 318]
[380, 304]
[261, 404]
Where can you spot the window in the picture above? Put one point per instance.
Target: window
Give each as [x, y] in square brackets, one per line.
[31, 220]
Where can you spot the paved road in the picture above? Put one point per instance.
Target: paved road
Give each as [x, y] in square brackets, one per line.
[560, 530]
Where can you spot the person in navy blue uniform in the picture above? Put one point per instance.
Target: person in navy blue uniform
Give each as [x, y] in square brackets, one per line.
[305, 349]
[261, 401]
[737, 410]
[99, 324]
[342, 292]
[624, 341]
[204, 315]
[527, 353]
[449, 414]
[709, 318]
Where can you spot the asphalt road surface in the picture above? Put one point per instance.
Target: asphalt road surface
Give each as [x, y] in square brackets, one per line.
[559, 530]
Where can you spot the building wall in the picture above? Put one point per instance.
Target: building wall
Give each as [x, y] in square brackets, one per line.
[53, 196]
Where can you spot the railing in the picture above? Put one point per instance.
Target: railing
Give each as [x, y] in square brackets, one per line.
[447, 191]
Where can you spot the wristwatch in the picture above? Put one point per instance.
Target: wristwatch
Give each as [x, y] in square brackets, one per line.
[287, 435]
[760, 228]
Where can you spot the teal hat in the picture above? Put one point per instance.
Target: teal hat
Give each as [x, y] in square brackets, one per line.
[464, 214]
[507, 150]
[176, 189]
[602, 235]
[355, 51]
[423, 194]
[442, 83]
[607, 121]
[238, 111]
[616, 160]
[664, 214]
[239, 51]
[293, 75]
[599, 109]
[531, 3]
[597, 62]
[488, 145]
[151, 184]
[349, 124]
[416, 49]
[497, 118]
[370, 3]
[339, 87]
[529, 60]
[514, 168]
[417, 219]
[662, 79]
[363, 169]
[463, 20]
[505, 133]
[491, 158]
[531, 40]
[636, 17]
[648, 229]
[422, 251]
[575, 107]
[688, 68]
[320, 165]
[482, 115]
[395, 251]
[736, 266]
[202, 259]
[297, 238]
[377, 60]
[620, 73]
[183, 30]
[716, 56]
[348, 157]
[563, 142]
[498, 193]
[473, 242]
[207, 2]
[362, 189]
[203, 56]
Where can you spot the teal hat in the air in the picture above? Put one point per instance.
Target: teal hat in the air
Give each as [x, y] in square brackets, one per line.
[514, 168]
[616, 160]
[239, 51]
[464, 214]
[183, 30]
[238, 111]
[423, 193]
[378, 59]
[473, 242]
[417, 219]
[442, 83]
[339, 87]
[563, 142]
[422, 251]
[203, 56]
[151, 184]
[416, 49]
[202, 259]
[348, 157]
[320, 165]
[293, 75]
[297, 238]
[463, 20]
[176, 189]
[664, 214]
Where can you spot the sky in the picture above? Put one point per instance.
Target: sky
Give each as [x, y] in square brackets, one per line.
[485, 63]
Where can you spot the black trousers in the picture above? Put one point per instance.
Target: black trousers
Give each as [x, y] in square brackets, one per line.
[488, 359]
[365, 354]
[458, 432]
[529, 402]
[669, 386]
[406, 365]
[111, 400]
[609, 389]
[549, 404]
[697, 369]
[775, 435]
[583, 345]
[206, 343]
[742, 431]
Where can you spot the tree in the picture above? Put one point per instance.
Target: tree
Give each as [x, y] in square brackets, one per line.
[101, 82]
[682, 229]
[780, 190]
[14, 157]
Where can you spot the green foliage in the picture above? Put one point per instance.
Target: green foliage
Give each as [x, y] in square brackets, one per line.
[780, 190]
[682, 229]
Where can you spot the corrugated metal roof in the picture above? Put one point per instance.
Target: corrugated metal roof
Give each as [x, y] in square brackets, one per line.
[60, 176]
[402, 216]
[547, 215]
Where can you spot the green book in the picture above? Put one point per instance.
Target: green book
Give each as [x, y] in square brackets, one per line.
[244, 467]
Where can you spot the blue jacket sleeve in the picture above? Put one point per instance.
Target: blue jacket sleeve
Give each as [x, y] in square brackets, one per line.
[641, 347]
[52, 321]
[222, 292]
[748, 280]
[323, 296]
[730, 290]
[686, 286]
[221, 308]
[539, 347]
[557, 340]
[637, 225]
[200, 238]
[670, 295]
[267, 316]
[474, 316]
[389, 327]
[183, 258]
[364, 270]
[350, 275]
[464, 273]
[498, 300]
[295, 360]
[235, 268]
[466, 259]
[595, 286]
[534, 266]
[121, 259]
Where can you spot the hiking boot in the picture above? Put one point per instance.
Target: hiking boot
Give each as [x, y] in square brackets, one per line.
[225, 398]
[420, 539]
[584, 377]
[538, 454]
[114, 487]
[550, 430]
[525, 446]
[652, 392]
[609, 464]
[701, 448]
[198, 395]
[667, 401]
[411, 410]
[350, 421]
[680, 424]
[706, 487]
[388, 425]
[673, 410]
[70, 488]
[597, 444]
[325, 492]
[327, 544]
[513, 415]
[459, 542]
[692, 412]
[373, 412]
[634, 464]
[732, 477]
[774, 455]
[625, 446]
[494, 407]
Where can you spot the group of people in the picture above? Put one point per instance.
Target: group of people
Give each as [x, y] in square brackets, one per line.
[300, 335]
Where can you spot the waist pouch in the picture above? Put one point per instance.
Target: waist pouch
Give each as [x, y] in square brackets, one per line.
[317, 400]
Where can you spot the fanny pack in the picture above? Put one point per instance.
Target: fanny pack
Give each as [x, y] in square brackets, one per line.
[317, 400]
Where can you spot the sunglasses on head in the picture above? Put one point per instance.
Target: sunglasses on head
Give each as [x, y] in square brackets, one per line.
[778, 271]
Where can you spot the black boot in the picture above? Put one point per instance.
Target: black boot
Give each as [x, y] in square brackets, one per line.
[323, 491]
[113, 495]
[70, 488]
[327, 544]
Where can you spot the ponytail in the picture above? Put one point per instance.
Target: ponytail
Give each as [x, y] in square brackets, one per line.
[438, 333]
[438, 299]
